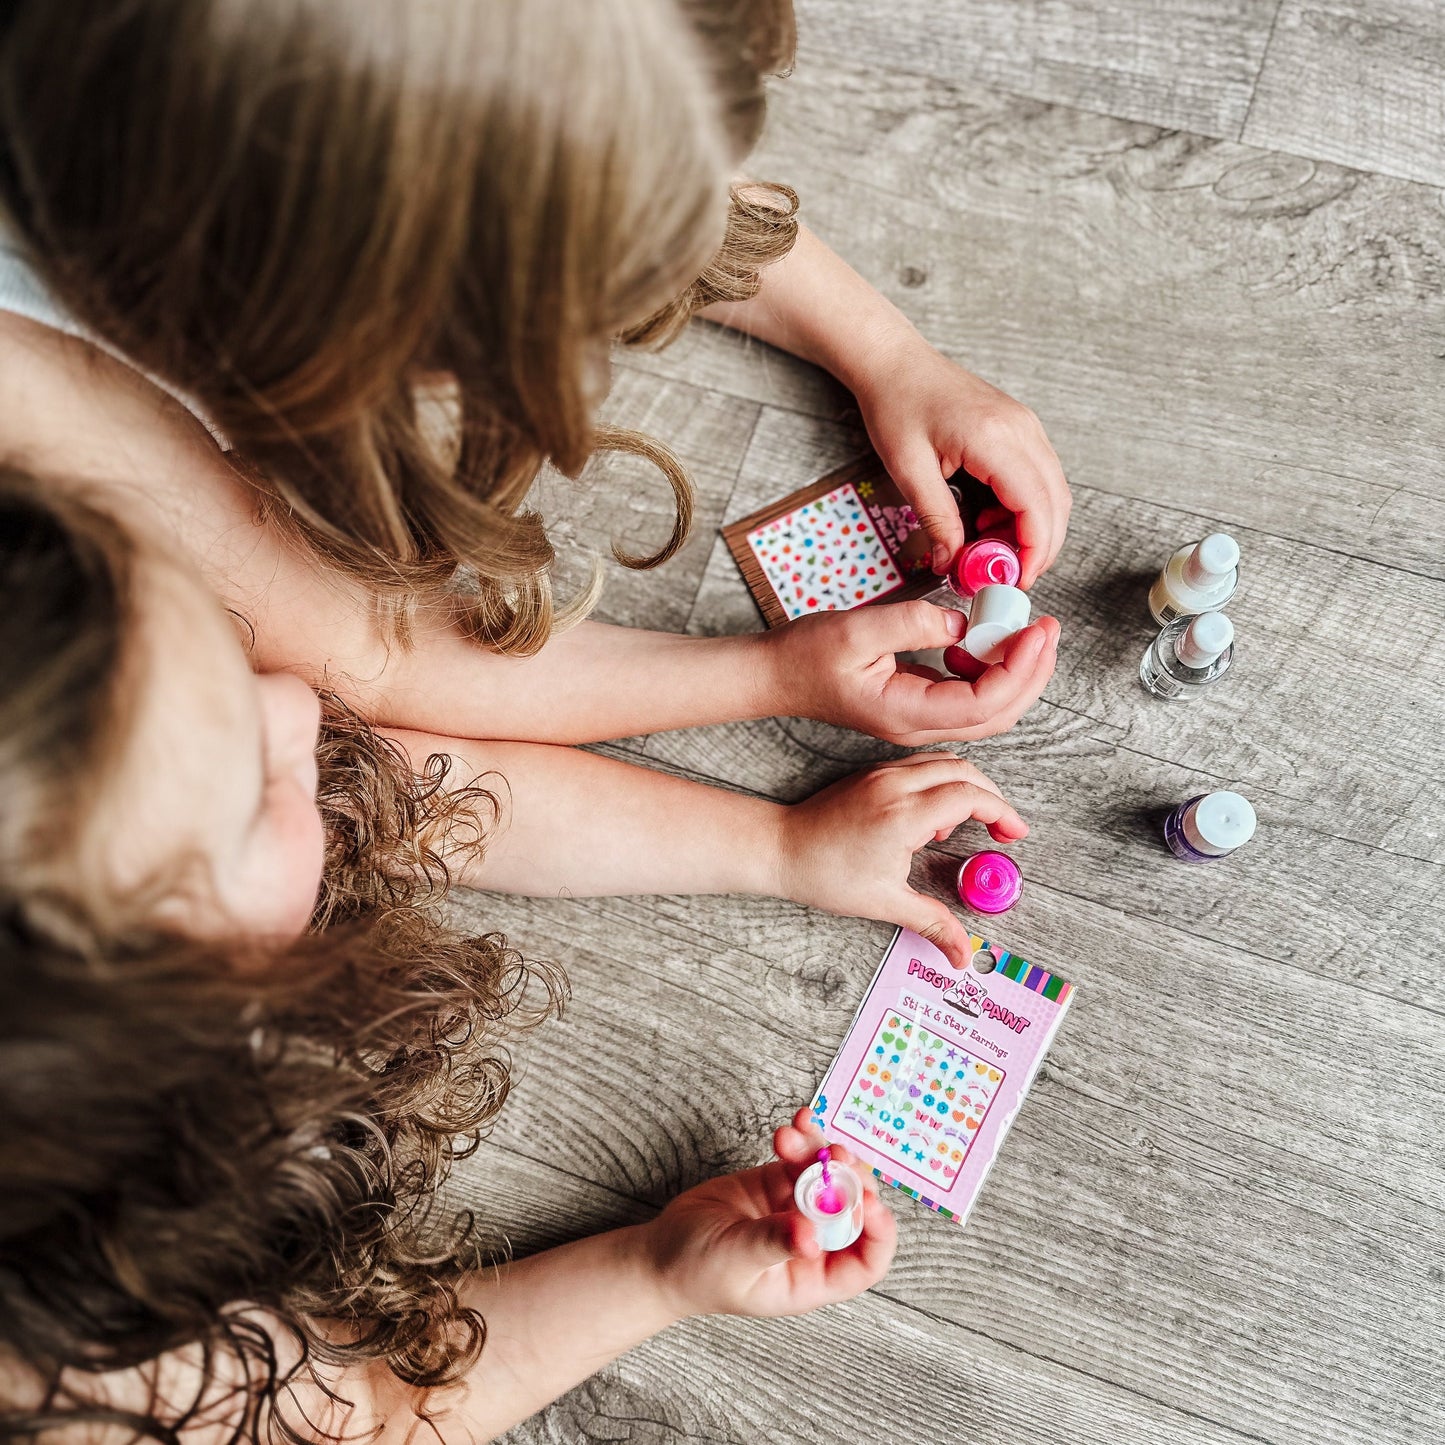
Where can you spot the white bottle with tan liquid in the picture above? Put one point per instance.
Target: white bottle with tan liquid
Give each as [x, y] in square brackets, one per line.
[1198, 578]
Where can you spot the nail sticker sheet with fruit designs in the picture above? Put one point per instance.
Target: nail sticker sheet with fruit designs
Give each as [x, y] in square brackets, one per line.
[936, 1065]
[919, 1100]
[826, 556]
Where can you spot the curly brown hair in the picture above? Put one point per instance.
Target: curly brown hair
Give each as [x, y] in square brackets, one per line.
[311, 218]
[193, 1133]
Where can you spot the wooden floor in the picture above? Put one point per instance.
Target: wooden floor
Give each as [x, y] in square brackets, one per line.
[1205, 240]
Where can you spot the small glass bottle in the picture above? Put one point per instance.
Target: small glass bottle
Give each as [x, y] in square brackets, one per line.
[1201, 577]
[1209, 826]
[990, 882]
[989, 561]
[835, 1208]
[1188, 654]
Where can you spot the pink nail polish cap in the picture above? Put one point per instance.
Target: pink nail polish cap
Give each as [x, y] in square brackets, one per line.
[988, 562]
[990, 882]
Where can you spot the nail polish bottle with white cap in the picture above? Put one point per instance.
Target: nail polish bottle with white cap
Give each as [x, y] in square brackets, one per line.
[1210, 826]
[1198, 578]
[1188, 654]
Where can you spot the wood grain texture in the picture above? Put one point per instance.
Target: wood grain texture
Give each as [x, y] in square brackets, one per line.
[1361, 82]
[1218, 1216]
[682, 1386]
[1187, 64]
[1191, 318]
[624, 500]
[1185, 1202]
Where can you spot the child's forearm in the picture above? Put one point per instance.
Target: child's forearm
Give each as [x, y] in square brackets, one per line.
[576, 823]
[590, 684]
[558, 1317]
[815, 305]
[552, 1320]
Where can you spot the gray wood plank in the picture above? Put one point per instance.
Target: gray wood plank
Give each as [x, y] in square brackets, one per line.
[1218, 1216]
[863, 1370]
[1334, 737]
[1361, 82]
[623, 499]
[1189, 64]
[1198, 1184]
[1192, 319]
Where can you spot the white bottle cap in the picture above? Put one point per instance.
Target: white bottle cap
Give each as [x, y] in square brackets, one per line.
[1220, 822]
[1204, 640]
[1215, 557]
[994, 615]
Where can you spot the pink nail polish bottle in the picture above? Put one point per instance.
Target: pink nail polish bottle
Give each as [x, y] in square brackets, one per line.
[990, 882]
[989, 561]
[835, 1207]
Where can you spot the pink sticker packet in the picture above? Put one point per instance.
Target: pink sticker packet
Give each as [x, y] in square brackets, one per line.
[935, 1065]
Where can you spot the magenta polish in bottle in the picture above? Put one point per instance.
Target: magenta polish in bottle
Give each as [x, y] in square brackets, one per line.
[990, 882]
[830, 1196]
[988, 562]
[1209, 826]
[1201, 577]
[1188, 655]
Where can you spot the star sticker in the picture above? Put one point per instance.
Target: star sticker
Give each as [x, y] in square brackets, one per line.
[952, 1054]
[870, 1108]
[855, 1099]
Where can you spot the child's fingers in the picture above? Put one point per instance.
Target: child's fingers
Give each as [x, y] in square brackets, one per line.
[769, 1239]
[1043, 520]
[866, 1260]
[935, 922]
[903, 627]
[956, 706]
[932, 766]
[920, 478]
[943, 807]
[800, 1141]
[1017, 681]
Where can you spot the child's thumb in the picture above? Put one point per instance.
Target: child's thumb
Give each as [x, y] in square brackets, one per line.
[937, 923]
[761, 1243]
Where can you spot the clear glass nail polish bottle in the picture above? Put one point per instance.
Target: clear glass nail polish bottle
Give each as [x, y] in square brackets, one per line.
[1188, 655]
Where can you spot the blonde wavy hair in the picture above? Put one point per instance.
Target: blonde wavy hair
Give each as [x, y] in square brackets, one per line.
[316, 218]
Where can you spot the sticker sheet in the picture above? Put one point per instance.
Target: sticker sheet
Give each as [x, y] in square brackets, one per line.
[825, 556]
[920, 1099]
[936, 1064]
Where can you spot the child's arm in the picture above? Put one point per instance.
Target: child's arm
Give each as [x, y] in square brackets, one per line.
[926, 416]
[72, 412]
[734, 1245]
[578, 824]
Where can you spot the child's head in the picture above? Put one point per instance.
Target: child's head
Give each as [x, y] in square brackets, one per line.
[202, 1101]
[152, 780]
[300, 212]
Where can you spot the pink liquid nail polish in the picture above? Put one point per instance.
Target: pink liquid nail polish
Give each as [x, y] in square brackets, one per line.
[988, 562]
[990, 882]
[829, 1198]
[836, 1228]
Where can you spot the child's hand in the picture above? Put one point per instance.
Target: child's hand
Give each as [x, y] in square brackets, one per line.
[928, 417]
[841, 667]
[737, 1245]
[848, 849]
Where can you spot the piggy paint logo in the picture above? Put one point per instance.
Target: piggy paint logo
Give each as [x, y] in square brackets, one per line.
[968, 995]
